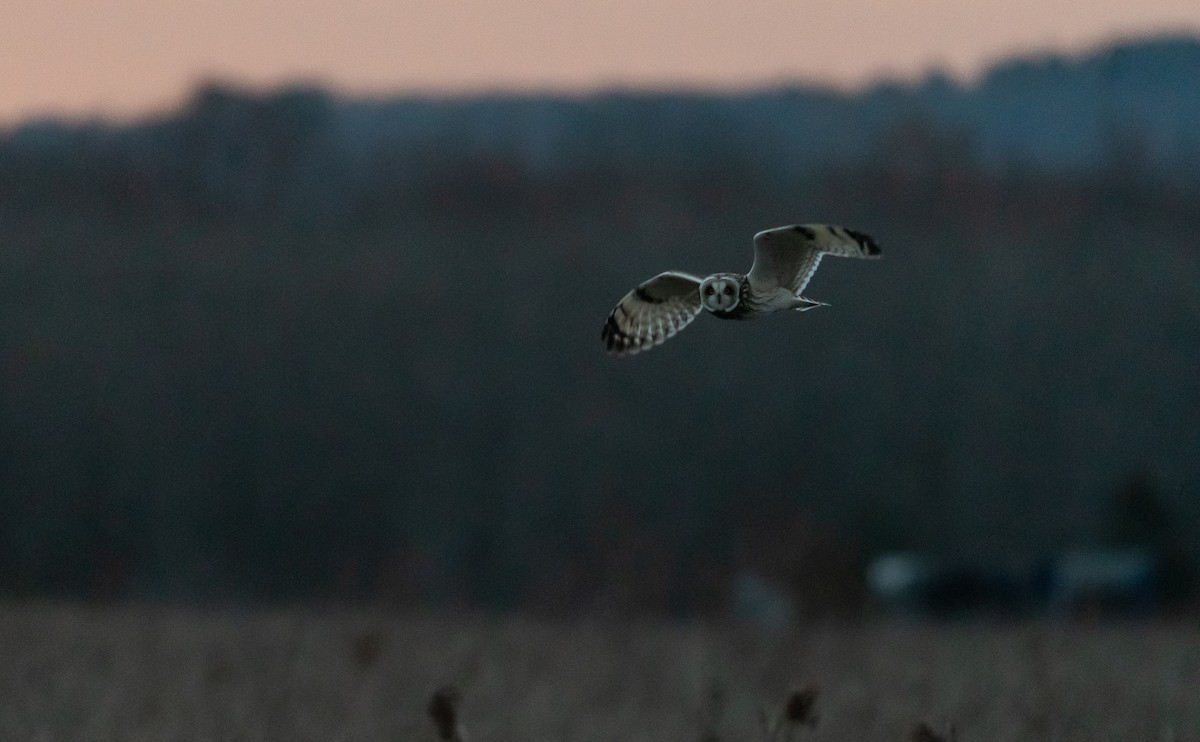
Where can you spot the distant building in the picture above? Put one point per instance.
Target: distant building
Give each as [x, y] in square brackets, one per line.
[1103, 580]
[917, 584]
[762, 603]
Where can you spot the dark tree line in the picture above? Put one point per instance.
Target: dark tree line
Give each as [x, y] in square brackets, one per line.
[292, 346]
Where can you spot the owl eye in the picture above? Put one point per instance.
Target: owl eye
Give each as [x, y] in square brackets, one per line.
[728, 291]
[709, 290]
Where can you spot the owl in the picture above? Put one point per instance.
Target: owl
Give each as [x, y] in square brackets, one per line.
[785, 258]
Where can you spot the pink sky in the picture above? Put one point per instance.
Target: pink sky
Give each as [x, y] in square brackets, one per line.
[125, 57]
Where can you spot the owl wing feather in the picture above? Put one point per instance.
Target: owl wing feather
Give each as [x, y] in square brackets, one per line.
[651, 313]
[787, 257]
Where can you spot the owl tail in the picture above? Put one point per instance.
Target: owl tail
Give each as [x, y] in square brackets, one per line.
[803, 305]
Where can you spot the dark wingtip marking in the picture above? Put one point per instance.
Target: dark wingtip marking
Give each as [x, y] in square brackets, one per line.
[865, 241]
[610, 333]
[615, 339]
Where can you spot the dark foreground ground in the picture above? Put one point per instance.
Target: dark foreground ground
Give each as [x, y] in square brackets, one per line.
[69, 672]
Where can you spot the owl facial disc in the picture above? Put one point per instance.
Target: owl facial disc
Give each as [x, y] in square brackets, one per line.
[719, 293]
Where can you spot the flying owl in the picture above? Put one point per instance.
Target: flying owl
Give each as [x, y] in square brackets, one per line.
[785, 258]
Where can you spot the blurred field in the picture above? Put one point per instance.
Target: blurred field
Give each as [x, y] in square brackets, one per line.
[69, 672]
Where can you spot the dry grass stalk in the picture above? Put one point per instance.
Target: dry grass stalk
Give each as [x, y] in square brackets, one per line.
[366, 648]
[797, 712]
[924, 733]
[711, 713]
[443, 709]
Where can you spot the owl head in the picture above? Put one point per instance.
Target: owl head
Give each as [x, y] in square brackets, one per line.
[720, 292]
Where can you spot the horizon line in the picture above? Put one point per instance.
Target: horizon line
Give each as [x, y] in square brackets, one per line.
[368, 93]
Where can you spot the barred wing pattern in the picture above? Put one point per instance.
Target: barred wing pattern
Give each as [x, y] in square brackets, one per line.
[651, 313]
[787, 257]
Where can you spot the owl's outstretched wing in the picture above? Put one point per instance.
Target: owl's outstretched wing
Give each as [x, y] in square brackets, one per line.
[651, 313]
[788, 256]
